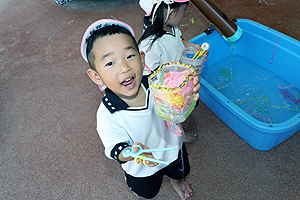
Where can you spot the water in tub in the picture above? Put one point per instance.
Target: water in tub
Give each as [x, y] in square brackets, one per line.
[262, 94]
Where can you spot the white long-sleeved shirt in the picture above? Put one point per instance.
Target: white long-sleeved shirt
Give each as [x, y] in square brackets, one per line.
[167, 48]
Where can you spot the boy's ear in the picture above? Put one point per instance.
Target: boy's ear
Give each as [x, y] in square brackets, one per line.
[142, 59]
[95, 77]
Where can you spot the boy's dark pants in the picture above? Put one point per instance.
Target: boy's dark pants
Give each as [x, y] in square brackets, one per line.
[148, 187]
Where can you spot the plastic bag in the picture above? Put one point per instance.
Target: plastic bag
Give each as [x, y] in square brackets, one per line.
[172, 88]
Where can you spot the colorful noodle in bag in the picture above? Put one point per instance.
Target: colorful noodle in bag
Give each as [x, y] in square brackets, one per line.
[172, 88]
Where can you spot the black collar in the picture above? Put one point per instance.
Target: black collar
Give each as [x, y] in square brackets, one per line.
[113, 103]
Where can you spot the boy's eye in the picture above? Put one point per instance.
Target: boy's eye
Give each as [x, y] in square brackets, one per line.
[110, 64]
[130, 56]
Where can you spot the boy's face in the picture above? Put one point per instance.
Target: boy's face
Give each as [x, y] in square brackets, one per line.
[118, 63]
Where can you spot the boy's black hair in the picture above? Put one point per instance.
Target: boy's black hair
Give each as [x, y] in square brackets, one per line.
[102, 32]
[156, 28]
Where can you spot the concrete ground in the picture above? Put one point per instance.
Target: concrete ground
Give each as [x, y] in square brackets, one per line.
[49, 148]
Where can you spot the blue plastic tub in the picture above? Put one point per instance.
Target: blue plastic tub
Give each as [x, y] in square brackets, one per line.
[260, 50]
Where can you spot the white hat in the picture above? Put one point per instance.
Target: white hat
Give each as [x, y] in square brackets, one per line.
[98, 25]
[147, 5]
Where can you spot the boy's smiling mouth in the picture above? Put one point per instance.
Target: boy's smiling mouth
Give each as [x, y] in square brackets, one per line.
[129, 83]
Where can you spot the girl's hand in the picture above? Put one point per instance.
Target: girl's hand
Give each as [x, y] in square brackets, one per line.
[188, 44]
[207, 52]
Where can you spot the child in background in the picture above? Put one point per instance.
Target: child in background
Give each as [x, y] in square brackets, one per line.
[110, 49]
[162, 40]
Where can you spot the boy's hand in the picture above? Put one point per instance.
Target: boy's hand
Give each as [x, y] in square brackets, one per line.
[149, 155]
[196, 86]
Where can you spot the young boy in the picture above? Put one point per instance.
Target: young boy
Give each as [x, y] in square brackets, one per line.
[126, 115]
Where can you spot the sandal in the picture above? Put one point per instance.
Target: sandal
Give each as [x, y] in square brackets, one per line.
[187, 190]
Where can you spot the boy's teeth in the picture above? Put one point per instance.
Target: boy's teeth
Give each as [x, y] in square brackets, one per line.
[128, 81]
